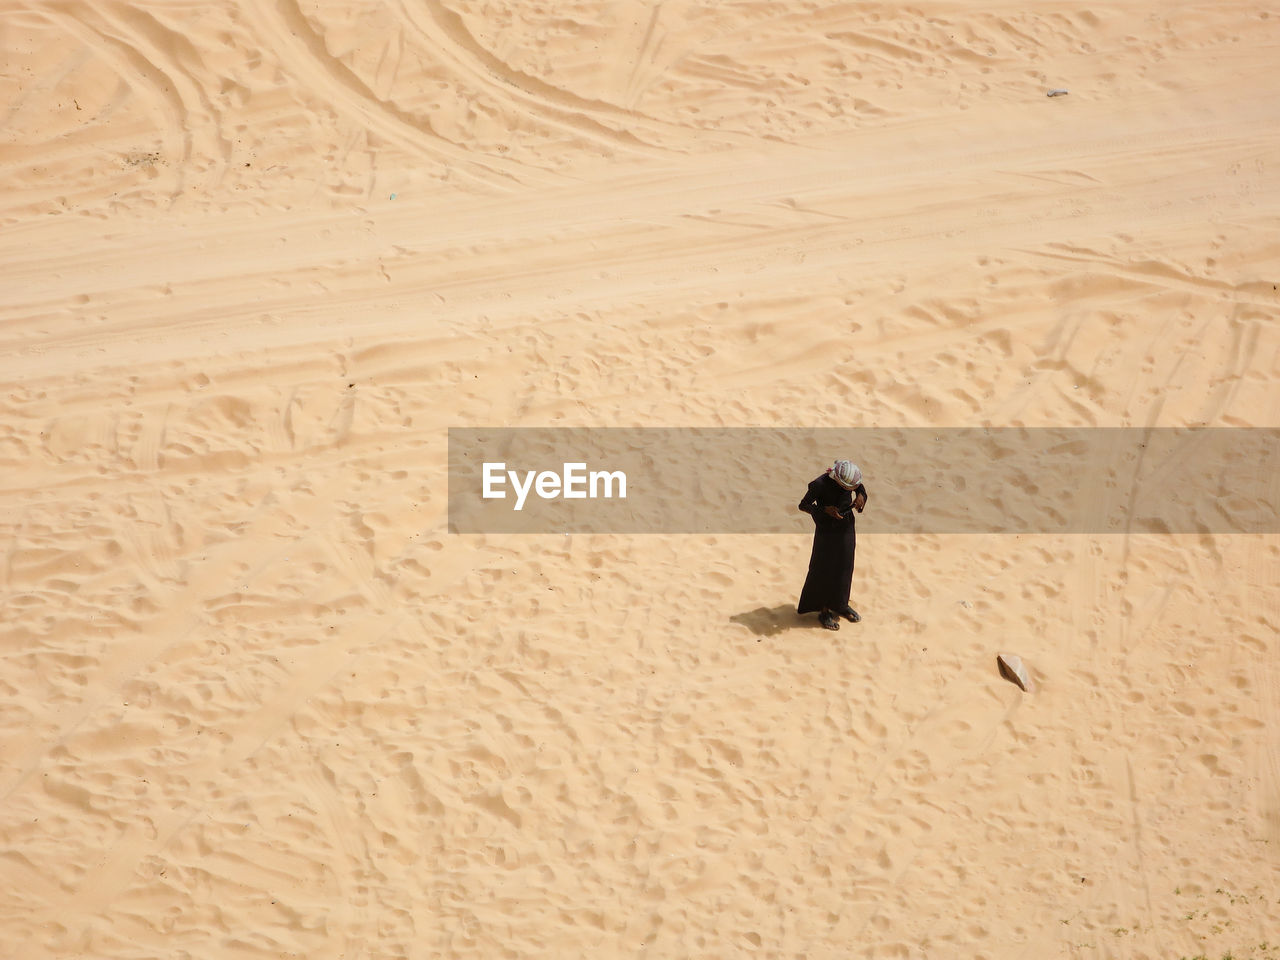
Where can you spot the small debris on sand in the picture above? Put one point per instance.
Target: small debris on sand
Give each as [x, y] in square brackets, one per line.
[1057, 92]
[1012, 669]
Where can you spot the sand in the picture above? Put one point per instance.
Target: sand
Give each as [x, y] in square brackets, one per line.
[257, 257]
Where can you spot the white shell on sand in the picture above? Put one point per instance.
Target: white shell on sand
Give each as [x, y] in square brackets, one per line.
[1013, 670]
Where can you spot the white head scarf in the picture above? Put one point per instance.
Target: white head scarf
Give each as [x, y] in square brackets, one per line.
[845, 473]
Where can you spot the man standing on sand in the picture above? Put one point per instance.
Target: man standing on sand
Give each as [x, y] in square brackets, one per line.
[831, 500]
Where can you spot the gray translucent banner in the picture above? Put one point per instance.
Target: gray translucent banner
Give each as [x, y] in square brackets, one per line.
[919, 480]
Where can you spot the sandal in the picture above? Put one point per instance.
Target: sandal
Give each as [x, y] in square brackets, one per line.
[829, 621]
[850, 614]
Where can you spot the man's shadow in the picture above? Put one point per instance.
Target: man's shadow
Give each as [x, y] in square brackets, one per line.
[770, 621]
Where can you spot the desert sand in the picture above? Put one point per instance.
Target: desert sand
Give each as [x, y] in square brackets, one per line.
[258, 257]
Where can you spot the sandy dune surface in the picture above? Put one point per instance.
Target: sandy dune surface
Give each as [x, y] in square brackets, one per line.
[257, 257]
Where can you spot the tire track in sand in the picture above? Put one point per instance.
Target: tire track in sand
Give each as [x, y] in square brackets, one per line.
[179, 60]
[303, 51]
[154, 86]
[447, 34]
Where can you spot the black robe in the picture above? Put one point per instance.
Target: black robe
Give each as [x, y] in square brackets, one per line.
[834, 543]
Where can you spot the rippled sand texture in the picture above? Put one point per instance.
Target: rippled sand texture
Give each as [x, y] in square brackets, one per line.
[256, 257]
